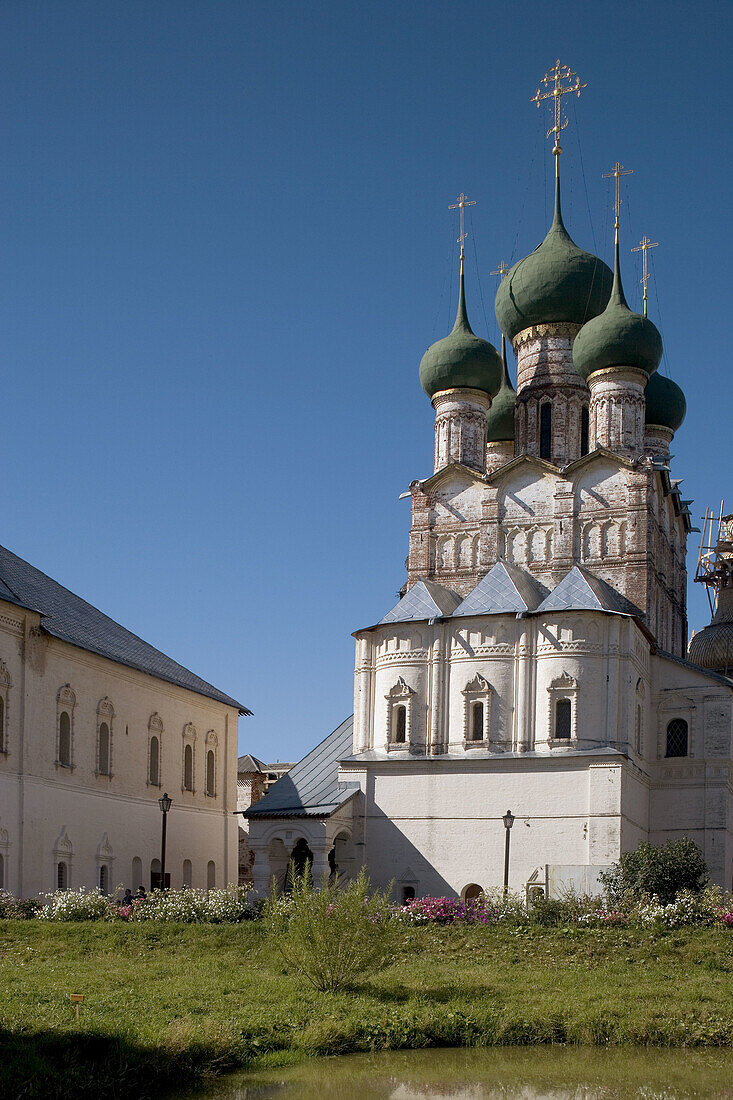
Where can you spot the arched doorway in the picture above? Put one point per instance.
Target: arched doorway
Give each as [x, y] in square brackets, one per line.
[301, 858]
[472, 892]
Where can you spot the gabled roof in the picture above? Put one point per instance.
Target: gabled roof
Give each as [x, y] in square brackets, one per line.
[425, 600]
[249, 763]
[449, 471]
[580, 590]
[311, 788]
[73, 620]
[505, 588]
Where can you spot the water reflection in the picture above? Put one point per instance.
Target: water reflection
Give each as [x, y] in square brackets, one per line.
[494, 1074]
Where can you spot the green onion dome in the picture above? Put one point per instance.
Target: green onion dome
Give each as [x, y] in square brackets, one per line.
[665, 402]
[461, 360]
[618, 337]
[557, 282]
[500, 417]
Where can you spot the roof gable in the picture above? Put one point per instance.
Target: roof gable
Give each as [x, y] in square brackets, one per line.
[447, 472]
[425, 600]
[580, 590]
[505, 588]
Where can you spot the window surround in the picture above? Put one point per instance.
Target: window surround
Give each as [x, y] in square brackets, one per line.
[478, 690]
[189, 741]
[155, 729]
[563, 686]
[399, 695]
[5, 685]
[677, 755]
[65, 704]
[105, 859]
[105, 716]
[63, 852]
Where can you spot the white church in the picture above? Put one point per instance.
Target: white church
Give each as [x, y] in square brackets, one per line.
[537, 660]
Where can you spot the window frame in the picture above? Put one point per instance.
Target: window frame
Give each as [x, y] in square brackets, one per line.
[65, 704]
[564, 688]
[677, 755]
[477, 690]
[401, 694]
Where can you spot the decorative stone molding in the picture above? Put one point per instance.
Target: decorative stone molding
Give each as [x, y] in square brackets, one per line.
[5, 685]
[477, 691]
[460, 428]
[563, 687]
[105, 716]
[155, 730]
[65, 707]
[104, 850]
[188, 753]
[401, 695]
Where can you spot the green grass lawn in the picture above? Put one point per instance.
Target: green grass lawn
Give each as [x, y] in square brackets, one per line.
[165, 1003]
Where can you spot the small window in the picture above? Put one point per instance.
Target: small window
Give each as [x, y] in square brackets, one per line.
[477, 721]
[104, 879]
[546, 431]
[677, 738]
[584, 430]
[408, 894]
[210, 875]
[188, 768]
[154, 762]
[65, 739]
[563, 716]
[62, 876]
[472, 892]
[137, 873]
[210, 774]
[155, 879]
[104, 749]
[187, 872]
[400, 723]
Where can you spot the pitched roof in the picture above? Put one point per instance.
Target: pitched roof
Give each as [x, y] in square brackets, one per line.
[425, 600]
[311, 788]
[249, 763]
[73, 620]
[580, 590]
[505, 588]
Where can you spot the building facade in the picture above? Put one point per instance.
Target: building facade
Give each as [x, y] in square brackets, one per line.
[96, 725]
[537, 658]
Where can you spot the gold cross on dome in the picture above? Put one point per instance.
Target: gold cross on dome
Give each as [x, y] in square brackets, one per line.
[644, 245]
[460, 204]
[617, 172]
[501, 270]
[555, 90]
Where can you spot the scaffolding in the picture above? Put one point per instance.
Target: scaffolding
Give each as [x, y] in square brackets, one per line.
[715, 559]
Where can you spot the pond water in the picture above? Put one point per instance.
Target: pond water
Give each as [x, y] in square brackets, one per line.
[490, 1074]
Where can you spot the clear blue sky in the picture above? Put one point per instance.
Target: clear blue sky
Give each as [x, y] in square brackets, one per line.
[224, 247]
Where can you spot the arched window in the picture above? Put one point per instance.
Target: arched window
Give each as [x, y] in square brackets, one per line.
[477, 721]
[584, 430]
[400, 723]
[62, 876]
[546, 431]
[154, 762]
[137, 873]
[677, 738]
[187, 872]
[104, 879]
[210, 875]
[408, 894]
[210, 774]
[65, 739]
[563, 719]
[471, 892]
[2, 724]
[188, 768]
[103, 749]
[638, 738]
[155, 883]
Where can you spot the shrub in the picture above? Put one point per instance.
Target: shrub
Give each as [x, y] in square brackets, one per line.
[77, 905]
[333, 935]
[486, 909]
[656, 871]
[189, 906]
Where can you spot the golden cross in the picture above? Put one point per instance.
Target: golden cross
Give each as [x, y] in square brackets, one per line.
[460, 204]
[644, 245]
[501, 270]
[617, 172]
[553, 81]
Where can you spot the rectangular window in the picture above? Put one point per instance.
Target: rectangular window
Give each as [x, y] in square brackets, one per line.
[546, 431]
[563, 715]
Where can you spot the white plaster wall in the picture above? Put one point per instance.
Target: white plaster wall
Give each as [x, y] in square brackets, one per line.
[39, 798]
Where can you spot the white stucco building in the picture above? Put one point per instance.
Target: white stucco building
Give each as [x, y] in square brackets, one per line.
[95, 725]
[536, 661]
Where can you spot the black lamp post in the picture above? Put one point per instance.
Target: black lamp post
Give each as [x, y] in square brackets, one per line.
[165, 804]
[508, 820]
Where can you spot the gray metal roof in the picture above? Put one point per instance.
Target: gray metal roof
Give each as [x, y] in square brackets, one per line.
[580, 590]
[311, 788]
[425, 600]
[249, 763]
[73, 620]
[505, 588]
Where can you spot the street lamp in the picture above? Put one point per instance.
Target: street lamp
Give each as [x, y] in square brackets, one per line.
[508, 820]
[165, 804]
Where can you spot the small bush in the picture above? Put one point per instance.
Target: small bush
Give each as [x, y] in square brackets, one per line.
[77, 905]
[190, 906]
[656, 871]
[333, 935]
